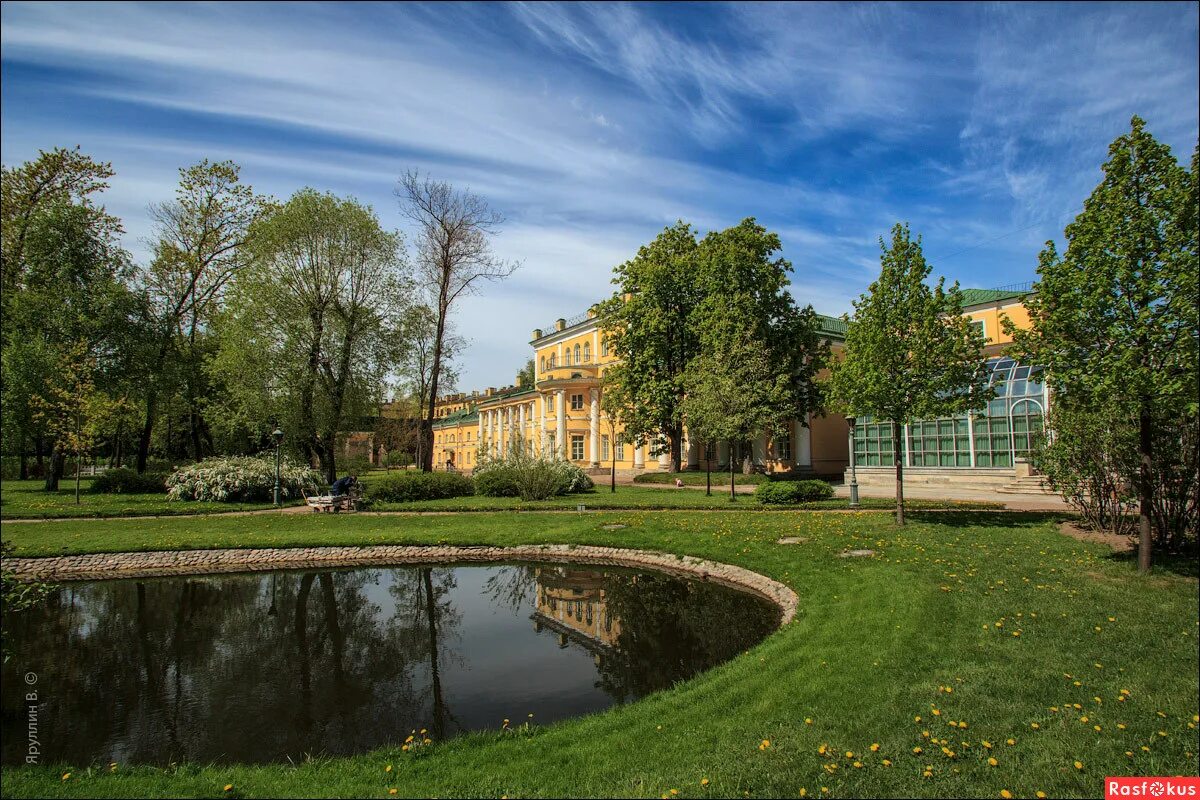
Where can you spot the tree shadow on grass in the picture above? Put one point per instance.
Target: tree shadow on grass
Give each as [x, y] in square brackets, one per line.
[987, 519]
[1183, 566]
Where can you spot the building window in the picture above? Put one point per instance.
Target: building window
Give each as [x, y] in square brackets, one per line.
[587, 352]
[553, 361]
[576, 402]
[619, 450]
[577, 447]
[567, 357]
[783, 447]
[604, 447]
[980, 327]
[577, 361]
[543, 363]
[550, 442]
[604, 347]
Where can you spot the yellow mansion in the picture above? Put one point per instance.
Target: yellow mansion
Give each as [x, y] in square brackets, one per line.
[561, 414]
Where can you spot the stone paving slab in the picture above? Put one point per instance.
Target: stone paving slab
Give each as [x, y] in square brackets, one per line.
[160, 563]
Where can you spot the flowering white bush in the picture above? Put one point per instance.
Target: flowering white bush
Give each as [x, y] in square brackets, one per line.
[240, 478]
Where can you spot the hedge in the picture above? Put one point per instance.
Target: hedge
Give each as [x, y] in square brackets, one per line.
[784, 493]
[406, 487]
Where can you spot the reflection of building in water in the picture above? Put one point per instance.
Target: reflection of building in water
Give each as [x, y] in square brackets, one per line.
[571, 602]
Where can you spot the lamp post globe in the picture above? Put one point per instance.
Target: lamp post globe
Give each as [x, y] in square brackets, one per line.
[277, 438]
[852, 421]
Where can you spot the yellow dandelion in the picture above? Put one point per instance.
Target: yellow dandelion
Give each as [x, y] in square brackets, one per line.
[1034, 725]
[1005, 793]
[993, 762]
[875, 747]
[849, 754]
[986, 744]
[1078, 765]
[66, 776]
[388, 768]
[766, 742]
[1041, 793]
[917, 750]
[887, 762]
[228, 787]
[704, 781]
[391, 791]
[1010, 741]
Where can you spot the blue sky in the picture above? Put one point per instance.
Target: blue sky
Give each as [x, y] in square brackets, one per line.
[594, 126]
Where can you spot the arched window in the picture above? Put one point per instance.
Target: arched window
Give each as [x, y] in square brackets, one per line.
[567, 357]
[604, 347]
[553, 360]
[587, 352]
[577, 361]
[543, 363]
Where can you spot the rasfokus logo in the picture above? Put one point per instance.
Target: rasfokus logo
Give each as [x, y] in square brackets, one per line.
[1151, 787]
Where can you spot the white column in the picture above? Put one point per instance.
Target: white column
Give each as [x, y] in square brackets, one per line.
[907, 449]
[664, 459]
[594, 427]
[803, 452]
[560, 409]
[521, 428]
[971, 437]
[639, 458]
[490, 432]
[542, 429]
[595, 346]
[479, 435]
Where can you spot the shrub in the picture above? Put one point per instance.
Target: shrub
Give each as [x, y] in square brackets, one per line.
[123, 480]
[406, 487]
[498, 481]
[784, 493]
[530, 477]
[694, 478]
[240, 478]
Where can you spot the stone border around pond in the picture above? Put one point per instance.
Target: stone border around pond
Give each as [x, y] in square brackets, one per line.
[164, 563]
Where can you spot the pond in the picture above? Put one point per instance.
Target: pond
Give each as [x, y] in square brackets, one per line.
[267, 667]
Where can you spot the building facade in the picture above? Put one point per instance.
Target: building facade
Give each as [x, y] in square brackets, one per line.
[561, 414]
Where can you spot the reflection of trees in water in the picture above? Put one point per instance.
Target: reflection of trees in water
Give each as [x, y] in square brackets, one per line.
[426, 621]
[199, 670]
[672, 629]
[512, 586]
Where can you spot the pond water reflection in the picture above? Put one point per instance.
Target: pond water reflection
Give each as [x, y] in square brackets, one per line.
[270, 666]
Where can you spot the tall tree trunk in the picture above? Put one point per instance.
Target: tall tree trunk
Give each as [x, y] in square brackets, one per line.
[1145, 488]
[58, 462]
[708, 470]
[897, 447]
[435, 374]
[675, 436]
[147, 430]
[732, 488]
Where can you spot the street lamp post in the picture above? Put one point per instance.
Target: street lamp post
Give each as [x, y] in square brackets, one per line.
[853, 474]
[277, 438]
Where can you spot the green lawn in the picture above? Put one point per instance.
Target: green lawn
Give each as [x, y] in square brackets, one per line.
[654, 498]
[699, 478]
[1020, 622]
[27, 500]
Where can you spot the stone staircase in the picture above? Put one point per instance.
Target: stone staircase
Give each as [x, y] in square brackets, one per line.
[1029, 484]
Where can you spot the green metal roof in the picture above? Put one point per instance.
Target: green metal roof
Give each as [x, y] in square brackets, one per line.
[831, 326]
[974, 297]
[465, 416]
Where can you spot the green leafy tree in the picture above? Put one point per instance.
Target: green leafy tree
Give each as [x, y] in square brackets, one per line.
[736, 392]
[60, 176]
[648, 327]
[1114, 318]
[313, 324]
[910, 353]
[201, 246]
[72, 289]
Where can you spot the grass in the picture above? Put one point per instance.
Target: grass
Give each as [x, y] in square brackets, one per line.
[698, 478]
[27, 500]
[867, 661]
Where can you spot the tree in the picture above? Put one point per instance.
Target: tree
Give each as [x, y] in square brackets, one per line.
[454, 253]
[313, 327]
[201, 246]
[736, 392]
[57, 177]
[647, 324]
[909, 353]
[525, 377]
[1114, 318]
[72, 290]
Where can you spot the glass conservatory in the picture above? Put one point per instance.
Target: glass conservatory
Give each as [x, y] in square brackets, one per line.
[994, 436]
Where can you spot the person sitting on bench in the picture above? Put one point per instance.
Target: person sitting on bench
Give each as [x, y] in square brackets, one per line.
[342, 486]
